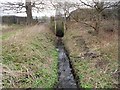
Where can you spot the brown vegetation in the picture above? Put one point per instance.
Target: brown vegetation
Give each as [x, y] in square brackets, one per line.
[94, 58]
[30, 59]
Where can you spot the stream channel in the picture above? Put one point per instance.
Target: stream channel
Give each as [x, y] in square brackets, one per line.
[66, 77]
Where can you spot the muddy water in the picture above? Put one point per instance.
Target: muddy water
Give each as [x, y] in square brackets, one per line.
[66, 77]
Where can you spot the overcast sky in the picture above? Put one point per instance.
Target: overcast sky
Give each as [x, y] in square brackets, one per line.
[43, 13]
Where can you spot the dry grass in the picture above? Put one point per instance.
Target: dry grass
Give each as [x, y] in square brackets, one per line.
[30, 59]
[9, 30]
[94, 58]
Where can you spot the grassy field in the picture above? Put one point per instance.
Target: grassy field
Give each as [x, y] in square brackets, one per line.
[29, 57]
[9, 30]
[94, 58]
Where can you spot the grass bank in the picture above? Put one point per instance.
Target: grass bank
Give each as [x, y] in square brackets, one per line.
[94, 58]
[30, 59]
[9, 30]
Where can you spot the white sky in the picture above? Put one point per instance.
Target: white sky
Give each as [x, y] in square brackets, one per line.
[43, 13]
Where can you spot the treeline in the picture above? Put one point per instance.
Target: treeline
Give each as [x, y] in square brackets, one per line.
[86, 14]
[16, 20]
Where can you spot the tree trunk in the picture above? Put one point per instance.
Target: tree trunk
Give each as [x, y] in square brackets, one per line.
[98, 23]
[97, 28]
[29, 12]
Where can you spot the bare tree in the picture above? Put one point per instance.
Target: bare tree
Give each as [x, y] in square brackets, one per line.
[27, 7]
[63, 8]
[98, 6]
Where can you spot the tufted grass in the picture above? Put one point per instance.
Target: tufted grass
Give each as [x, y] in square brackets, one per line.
[99, 72]
[30, 59]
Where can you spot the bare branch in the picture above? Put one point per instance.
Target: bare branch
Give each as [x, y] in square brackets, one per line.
[86, 4]
[16, 6]
[89, 25]
[19, 6]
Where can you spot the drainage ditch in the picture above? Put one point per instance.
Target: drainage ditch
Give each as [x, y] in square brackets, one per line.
[66, 77]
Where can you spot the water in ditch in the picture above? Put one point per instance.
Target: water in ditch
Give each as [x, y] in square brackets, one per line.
[66, 77]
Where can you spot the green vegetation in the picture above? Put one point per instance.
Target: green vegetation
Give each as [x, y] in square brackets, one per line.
[94, 58]
[7, 35]
[9, 30]
[30, 62]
